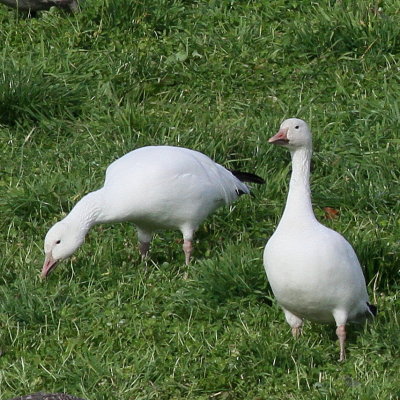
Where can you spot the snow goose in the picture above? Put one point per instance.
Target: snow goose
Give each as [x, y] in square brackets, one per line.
[313, 271]
[155, 187]
[47, 396]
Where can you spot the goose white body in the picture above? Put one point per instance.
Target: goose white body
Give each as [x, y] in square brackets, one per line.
[155, 188]
[160, 187]
[313, 271]
[315, 274]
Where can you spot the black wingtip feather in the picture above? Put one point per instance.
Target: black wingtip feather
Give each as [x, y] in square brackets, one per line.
[248, 177]
[373, 309]
[240, 192]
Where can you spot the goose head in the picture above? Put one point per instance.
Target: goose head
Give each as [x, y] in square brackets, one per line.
[293, 133]
[61, 241]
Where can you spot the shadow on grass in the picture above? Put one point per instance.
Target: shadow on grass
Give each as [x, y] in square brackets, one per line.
[29, 95]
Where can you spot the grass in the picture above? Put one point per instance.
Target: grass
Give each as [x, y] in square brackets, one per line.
[76, 92]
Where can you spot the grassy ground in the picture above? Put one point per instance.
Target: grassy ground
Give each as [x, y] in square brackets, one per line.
[76, 92]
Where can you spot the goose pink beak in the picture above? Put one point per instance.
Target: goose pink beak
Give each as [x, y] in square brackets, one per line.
[280, 138]
[49, 264]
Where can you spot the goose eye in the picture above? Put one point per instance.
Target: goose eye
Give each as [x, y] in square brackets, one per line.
[296, 127]
[58, 242]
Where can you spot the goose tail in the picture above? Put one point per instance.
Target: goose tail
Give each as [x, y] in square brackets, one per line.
[248, 177]
[373, 310]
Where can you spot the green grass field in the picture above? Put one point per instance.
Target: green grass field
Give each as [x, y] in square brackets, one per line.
[77, 92]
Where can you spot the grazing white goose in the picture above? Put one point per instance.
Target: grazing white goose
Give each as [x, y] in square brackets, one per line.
[313, 271]
[155, 187]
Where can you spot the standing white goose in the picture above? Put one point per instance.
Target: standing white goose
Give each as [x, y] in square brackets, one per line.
[155, 187]
[313, 271]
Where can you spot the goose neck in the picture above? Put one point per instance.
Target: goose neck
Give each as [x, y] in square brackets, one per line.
[87, 212]
[298, 204]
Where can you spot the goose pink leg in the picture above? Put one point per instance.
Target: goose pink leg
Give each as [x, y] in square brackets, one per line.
[144, 248]
[341, 334]
[144, 238]
[296, 332]
[187, 248]
[295, 323]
